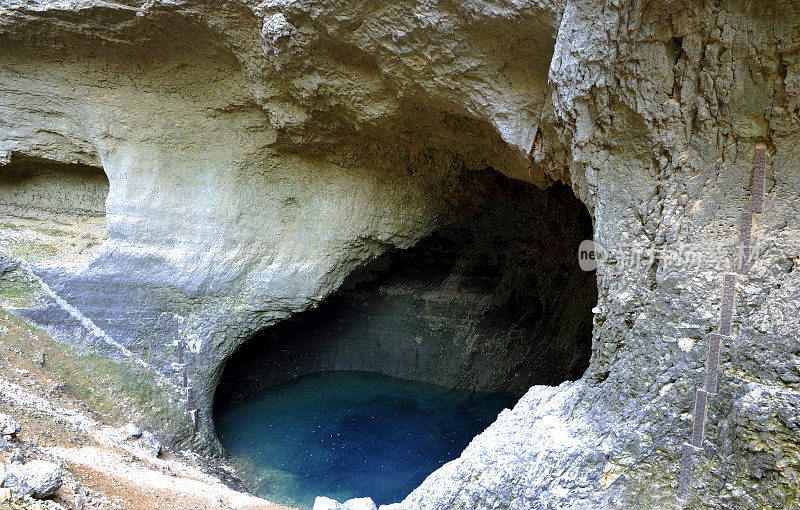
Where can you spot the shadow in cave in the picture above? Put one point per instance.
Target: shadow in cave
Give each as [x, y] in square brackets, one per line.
[417, 352]
[493, 302]
[38, 189]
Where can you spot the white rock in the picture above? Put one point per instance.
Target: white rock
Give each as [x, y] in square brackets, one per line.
[360, 504]
[38, 478]
[323, 503]
[131, 431]
[8, 425]
[149, 441]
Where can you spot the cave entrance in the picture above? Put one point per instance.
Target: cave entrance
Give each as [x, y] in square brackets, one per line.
[61, 193]
[431, 341]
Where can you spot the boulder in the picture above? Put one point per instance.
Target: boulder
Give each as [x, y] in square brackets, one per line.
[323, 503]
[150, 442]
[10, 480]
[130, 432]
[38, 478]
[360, 504]
[9, 426]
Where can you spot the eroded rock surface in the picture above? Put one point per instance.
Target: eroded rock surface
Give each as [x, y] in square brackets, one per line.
[257, 153]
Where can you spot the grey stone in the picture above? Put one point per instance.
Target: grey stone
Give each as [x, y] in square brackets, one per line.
[7, 264]
[130, 432]
[323, 503]
[9, 426]
[38, 478]
[360, 504]
[17, 456]
[149, 441]
[10, 478]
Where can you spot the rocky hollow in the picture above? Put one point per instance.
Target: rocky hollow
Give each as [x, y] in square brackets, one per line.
[274, 172]
[493, 302]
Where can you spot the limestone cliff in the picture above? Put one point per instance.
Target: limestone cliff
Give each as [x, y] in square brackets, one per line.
[257, 153]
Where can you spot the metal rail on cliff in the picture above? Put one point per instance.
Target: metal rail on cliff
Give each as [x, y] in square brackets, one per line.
[181, 368]
[716, 341]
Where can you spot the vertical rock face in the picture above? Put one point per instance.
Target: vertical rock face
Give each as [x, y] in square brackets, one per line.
[662, 105]
[256, 154]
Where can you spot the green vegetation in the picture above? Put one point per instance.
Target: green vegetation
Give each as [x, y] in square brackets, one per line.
[18, 291]
[118, 391]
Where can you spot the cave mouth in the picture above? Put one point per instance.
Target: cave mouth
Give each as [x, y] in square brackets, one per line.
[440, 335]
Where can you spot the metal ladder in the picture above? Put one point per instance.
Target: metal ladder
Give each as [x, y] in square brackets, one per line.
[723, 336]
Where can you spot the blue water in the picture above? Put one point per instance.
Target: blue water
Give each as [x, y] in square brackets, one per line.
[349, 434]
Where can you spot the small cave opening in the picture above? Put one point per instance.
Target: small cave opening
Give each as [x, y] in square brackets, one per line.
[416, 353]
[63, 193]
[48, 211]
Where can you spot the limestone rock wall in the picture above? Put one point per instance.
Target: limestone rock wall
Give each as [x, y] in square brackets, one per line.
[656, 109]
[245, 182]
[257, 153]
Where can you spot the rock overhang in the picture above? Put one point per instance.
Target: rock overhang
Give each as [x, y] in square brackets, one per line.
[656, 142]
[257, 154]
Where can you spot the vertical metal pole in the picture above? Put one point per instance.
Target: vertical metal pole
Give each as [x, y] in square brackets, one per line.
[178, 342]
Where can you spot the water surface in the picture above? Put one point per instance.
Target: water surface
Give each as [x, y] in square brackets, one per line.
[347, 434]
